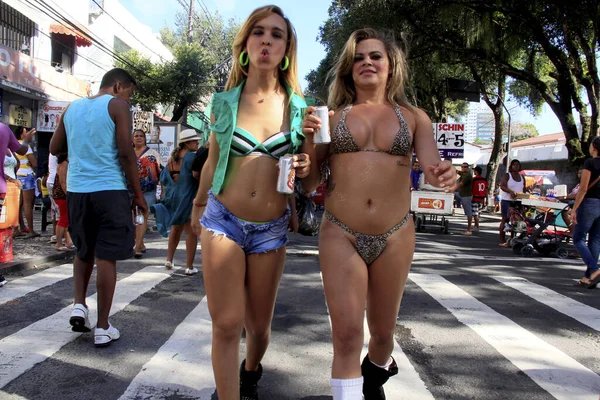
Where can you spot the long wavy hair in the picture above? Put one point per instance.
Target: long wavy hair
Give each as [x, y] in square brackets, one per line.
[239, 73]
[342, 90]
[175, 157]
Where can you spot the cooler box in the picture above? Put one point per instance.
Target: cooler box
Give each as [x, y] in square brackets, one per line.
[6, 254]
[9, 216]
[431, 202]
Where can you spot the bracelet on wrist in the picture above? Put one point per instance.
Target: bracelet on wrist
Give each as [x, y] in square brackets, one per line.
[139, 194]
[200, 204]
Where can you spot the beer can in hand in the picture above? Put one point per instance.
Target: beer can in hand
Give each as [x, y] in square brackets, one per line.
[322, 135]
[139, 217]
[287, 175]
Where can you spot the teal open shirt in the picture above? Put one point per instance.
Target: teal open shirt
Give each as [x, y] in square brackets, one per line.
[224, 107]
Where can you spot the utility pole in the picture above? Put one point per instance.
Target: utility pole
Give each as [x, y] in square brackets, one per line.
[190, 21]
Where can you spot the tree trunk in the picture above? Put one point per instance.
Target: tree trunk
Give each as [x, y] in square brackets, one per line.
[496, 156]
[179, 111]
[564, 113]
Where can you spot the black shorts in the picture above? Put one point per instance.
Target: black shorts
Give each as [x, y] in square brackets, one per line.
[101, 224]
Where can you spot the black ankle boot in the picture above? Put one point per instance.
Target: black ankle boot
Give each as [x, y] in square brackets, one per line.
[374, 378]
[249, 382]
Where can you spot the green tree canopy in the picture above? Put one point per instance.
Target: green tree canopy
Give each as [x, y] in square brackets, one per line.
[521, 131]
[199, 67]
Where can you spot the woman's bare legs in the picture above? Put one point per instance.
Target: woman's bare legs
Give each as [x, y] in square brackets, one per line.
[263, 274]
[28, 198]
[387, 279]
[174, 238]
[224, 273]
[345, 279]
[191, 245]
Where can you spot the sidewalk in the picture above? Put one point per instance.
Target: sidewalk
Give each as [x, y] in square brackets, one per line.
[35, 252]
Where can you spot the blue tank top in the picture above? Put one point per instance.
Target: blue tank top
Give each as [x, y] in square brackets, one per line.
[93, 155]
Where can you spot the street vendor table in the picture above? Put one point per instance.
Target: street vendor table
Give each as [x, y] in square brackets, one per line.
[556, 205]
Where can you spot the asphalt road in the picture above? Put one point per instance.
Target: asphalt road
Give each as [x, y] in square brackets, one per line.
[477, 322]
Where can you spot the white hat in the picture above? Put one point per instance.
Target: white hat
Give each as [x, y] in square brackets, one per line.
[188, 135]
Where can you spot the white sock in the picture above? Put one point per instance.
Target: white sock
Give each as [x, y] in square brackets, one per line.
[386, 366]
[347, 389]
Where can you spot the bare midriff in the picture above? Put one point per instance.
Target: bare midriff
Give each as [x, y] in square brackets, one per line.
[368, 191]
[250, 189]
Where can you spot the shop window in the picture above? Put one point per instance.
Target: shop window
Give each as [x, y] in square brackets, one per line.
[63, 50]
[16, 29]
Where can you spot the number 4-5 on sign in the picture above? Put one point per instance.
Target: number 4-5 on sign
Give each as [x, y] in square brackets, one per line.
[442, 139]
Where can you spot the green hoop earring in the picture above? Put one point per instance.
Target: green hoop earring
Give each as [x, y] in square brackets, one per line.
[286, 64]
[244, 59]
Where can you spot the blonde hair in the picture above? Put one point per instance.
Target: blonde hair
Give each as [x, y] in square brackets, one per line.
[239, 73]
[342, 90]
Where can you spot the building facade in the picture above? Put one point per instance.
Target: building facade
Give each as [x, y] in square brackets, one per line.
[55, 51]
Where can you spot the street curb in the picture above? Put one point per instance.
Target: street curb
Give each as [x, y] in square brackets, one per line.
[17, 266]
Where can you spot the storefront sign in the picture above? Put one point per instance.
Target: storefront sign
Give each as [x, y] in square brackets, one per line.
[19, 71]
[49, 113]
[450, 139]
[19, 115]
[143, 120]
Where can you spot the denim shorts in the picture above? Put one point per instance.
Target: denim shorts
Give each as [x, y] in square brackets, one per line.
[504, 206]
[251, 237]
[28, 181]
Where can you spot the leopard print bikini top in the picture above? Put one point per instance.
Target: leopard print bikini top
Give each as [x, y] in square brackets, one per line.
[343, 142]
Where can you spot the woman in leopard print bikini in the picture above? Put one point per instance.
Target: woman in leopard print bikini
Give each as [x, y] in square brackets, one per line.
[367, 239]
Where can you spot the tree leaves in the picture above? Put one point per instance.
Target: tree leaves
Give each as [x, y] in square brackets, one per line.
[197, 70]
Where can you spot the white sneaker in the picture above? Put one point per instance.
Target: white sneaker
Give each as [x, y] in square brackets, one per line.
[53, 239]
[169, 264]
[103, 337]
[191, 271]
[79, 319]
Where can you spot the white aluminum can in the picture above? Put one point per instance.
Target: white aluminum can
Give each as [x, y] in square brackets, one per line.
[322, 135]
[139, 217]
[287, 175]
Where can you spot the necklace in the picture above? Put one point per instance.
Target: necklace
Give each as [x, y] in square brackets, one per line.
[263, 99]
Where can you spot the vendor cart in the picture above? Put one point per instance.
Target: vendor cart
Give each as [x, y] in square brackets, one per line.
[430, 209]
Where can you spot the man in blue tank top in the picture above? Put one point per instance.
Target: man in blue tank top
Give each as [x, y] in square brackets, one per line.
[95, 132]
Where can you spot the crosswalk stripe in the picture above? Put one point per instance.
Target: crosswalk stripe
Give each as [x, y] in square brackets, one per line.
[557, 373]
[182, 366]
[407, 385]
[23, 286]
[31, 345]
[583, 313]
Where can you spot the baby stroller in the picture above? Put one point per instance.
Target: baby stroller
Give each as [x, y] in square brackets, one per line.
[536, 229]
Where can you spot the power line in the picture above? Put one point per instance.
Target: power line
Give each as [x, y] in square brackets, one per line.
[208, 16]
[59, 17]
[54, 40]
[126, 30]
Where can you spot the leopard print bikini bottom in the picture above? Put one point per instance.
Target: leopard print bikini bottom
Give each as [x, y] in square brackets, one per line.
[369, 247]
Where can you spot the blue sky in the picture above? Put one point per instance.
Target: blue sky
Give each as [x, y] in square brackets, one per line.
[307, 16]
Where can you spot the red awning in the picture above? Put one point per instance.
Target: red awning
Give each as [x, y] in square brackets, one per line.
[82, 39]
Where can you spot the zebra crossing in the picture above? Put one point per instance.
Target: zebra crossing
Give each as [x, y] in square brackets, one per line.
[456, 334]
